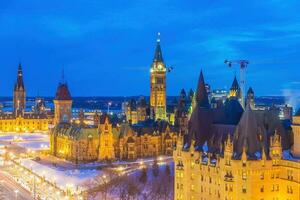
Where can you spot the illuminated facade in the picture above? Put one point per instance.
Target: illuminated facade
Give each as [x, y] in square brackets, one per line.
[158, 85]
[136, 111]
[19, 93]
[20, 120]
[296, 132]
[235, 154]
[235, 90]
[103, 141]
[80, 143]
[62, 104]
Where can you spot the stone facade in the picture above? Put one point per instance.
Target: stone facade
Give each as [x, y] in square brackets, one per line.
[236, 154]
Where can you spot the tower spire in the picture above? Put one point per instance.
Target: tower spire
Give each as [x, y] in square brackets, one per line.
[201, 93]
[158, 53]
[63, 80]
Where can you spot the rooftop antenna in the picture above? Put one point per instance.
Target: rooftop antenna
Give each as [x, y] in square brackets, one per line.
[158, 37]
[63, 76]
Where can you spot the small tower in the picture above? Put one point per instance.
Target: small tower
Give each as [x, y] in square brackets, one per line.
[62, 104]
[19, 93]
[235, 89]
[158, 84]
[81, 117]
[106, 147]
[275, 148]
[250, 98]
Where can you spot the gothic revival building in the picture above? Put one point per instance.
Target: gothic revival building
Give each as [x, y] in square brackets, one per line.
[20, 120]
[232, 153]
[79, 142]
[136, 111]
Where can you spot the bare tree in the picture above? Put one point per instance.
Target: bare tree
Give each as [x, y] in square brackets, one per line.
[144, 177]
[155, 168]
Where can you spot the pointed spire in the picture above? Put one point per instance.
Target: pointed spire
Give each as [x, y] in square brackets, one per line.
[20, 67]
[244, 155]
[250, 91]
[158, 53]
[263, 154]
[63, 81]
[201, 93]
[192, 147]
[182, 94]
[235, 84]
[19, 83]
[62, 92]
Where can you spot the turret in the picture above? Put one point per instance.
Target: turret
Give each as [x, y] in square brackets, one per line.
[62, 104]
[275, 148]
[234, 91]
[250, 98]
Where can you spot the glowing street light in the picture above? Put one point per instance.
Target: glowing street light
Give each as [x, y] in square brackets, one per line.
[16, 192]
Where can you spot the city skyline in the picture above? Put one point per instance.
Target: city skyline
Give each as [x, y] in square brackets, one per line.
[94, 45]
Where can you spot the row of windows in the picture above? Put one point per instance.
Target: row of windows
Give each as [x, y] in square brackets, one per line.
[20, 123]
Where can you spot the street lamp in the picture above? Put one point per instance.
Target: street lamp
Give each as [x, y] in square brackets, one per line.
[16, 192]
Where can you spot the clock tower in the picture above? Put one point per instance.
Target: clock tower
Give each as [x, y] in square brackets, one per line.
[158, 85]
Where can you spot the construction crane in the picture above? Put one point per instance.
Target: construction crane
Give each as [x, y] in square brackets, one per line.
[243, 64]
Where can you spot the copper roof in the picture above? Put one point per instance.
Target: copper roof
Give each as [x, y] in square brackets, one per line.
[62, 92]
[201, 93]
[19, 83]
[158, 53]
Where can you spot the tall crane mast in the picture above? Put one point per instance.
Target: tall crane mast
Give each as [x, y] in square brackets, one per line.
[243, 64]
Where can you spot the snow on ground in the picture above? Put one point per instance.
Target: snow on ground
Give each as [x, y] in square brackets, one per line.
[33, 141]
[62, 177]
[23, 136]
[39, 145]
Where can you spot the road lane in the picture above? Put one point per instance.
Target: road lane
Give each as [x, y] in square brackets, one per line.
[9, 188]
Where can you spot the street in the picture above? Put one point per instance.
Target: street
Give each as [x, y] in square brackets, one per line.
[10, 190]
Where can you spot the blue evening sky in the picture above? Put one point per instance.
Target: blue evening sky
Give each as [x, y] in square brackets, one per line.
[106, 47]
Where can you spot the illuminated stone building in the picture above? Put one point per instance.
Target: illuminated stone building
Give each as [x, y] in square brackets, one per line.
[296, 132]
[158, 85]
[19, 120]
[62, 104]
[79, 142]
[136, 111]
[145, 139]
[237, 154]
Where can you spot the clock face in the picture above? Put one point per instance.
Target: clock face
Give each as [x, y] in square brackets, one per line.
[160, 67]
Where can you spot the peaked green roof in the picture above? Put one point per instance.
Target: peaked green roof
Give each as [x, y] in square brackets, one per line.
[75, 132]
